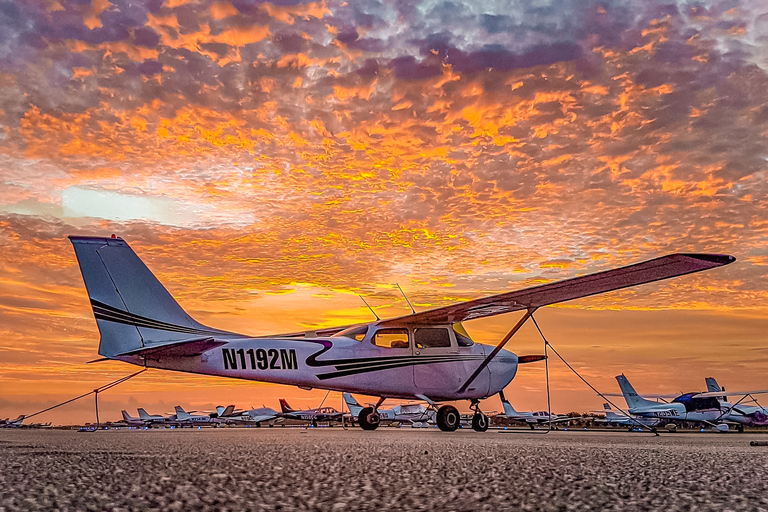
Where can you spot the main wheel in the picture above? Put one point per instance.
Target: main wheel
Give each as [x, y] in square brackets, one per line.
[480, 422]
[448, 418]
[368, 419]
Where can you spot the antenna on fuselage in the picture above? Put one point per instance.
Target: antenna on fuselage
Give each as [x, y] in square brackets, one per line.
[369, 307]
[406, 299]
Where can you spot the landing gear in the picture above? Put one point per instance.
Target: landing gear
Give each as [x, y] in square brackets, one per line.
[448, 418]
[368, 418]
[740, 429]
[479, 420]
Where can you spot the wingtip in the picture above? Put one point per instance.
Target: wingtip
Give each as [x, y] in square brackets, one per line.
[717, 259]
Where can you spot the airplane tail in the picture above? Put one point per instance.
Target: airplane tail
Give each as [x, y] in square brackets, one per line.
[509, 411]
[228, 411]
[132, 308]
[712, 384]
[630, 395]
[285, 407]
[354, 407]
[126, 416]
[609, 414]
[180, 413]
[143, 414]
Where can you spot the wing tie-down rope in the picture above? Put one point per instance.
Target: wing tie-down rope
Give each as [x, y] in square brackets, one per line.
[548, 346]
[95, 391]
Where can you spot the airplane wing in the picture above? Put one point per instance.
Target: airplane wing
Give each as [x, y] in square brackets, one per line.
[569, 289]
[709, 394]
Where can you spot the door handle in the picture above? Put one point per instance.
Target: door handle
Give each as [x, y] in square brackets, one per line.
[417, 352]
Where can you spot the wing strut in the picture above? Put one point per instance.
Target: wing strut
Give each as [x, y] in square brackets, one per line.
[504, 340]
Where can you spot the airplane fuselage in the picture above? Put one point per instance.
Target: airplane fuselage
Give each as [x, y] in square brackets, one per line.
[344, 364]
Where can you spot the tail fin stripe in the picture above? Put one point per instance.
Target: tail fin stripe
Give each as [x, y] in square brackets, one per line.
[105, 312]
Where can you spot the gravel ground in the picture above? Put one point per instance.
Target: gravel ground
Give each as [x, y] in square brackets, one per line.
[390, 469]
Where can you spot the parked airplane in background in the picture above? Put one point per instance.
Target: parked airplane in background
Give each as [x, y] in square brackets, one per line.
[532, 418]
[695, 407]
[153, 419]
[415, 414]
[740, 412]
[320, 414]
[248, 417]
[614, 418]
[187, 418]
[9, 423]
[426, 355]
[132, 421]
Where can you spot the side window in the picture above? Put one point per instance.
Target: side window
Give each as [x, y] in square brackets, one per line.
[391, 338]
[462, 336]
[431, 337]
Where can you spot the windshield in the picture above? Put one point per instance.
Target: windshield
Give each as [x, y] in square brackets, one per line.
[462, 336]
[356, 333]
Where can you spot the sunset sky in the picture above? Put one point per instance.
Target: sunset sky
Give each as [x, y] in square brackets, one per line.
[271, 161]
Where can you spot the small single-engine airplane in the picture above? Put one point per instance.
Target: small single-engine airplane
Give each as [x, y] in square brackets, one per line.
[153, 419]
[230, 415]
[415, 414]
[532, 418]
[321, 414]
[739, 413]
[695, 407]
[17, 423]
[426, 355]
[614, 418]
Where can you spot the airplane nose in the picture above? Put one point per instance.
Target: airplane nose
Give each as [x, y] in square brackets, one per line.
[503, 369]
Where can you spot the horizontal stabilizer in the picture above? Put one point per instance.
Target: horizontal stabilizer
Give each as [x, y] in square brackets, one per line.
[183, 348]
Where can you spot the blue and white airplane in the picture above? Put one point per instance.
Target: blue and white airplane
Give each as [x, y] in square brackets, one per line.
[418, 415]
[426, 355]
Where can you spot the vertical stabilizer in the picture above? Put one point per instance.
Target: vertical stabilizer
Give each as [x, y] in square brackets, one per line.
[354, 407]
[630, 395]
[712, 384]
[132, 308]
[143, 414]
[285, 407]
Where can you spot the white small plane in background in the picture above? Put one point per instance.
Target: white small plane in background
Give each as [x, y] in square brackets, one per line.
[187, 418]
[321, 414]
[532, 418]
[695, 407]
[614, 418]
[132, 421]
[418, 415]
[9, 423]
[256, 417]
[153, 419]
[739, 412]
[426, 355]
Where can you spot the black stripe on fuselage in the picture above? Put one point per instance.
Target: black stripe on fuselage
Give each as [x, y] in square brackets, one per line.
[394, 362]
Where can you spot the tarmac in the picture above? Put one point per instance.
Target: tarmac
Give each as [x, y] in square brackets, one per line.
[389, 469]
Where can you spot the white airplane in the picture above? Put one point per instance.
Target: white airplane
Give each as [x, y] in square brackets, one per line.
[694, 407]
[9, 423]
[252, 416]
[416, 414]
[153, 419]
[532, 418]
[740, 413]
[132, 421]
[312, 415]
[187, 418]
[425, 355]
[614, 418]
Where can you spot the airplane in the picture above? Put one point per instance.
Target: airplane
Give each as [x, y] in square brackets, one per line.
[739, 413]
[417, 415]
[426, 355]
[613, 418]
[154, 419]
[17, 423]
[531, 418]
[132, 421]
[187, 418]
[258, 416]
[312, 415]
[695, 407]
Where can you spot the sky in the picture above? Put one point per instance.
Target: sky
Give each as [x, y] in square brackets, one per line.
[271, 161]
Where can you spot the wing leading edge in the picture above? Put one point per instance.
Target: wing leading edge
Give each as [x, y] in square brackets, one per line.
[657, 269]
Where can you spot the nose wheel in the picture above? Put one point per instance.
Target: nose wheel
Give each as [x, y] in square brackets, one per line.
[479, 420]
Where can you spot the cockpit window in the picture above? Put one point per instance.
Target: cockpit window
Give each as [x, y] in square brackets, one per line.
[462, 337]
[431, 337]
[391, 338]
[356, 333]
